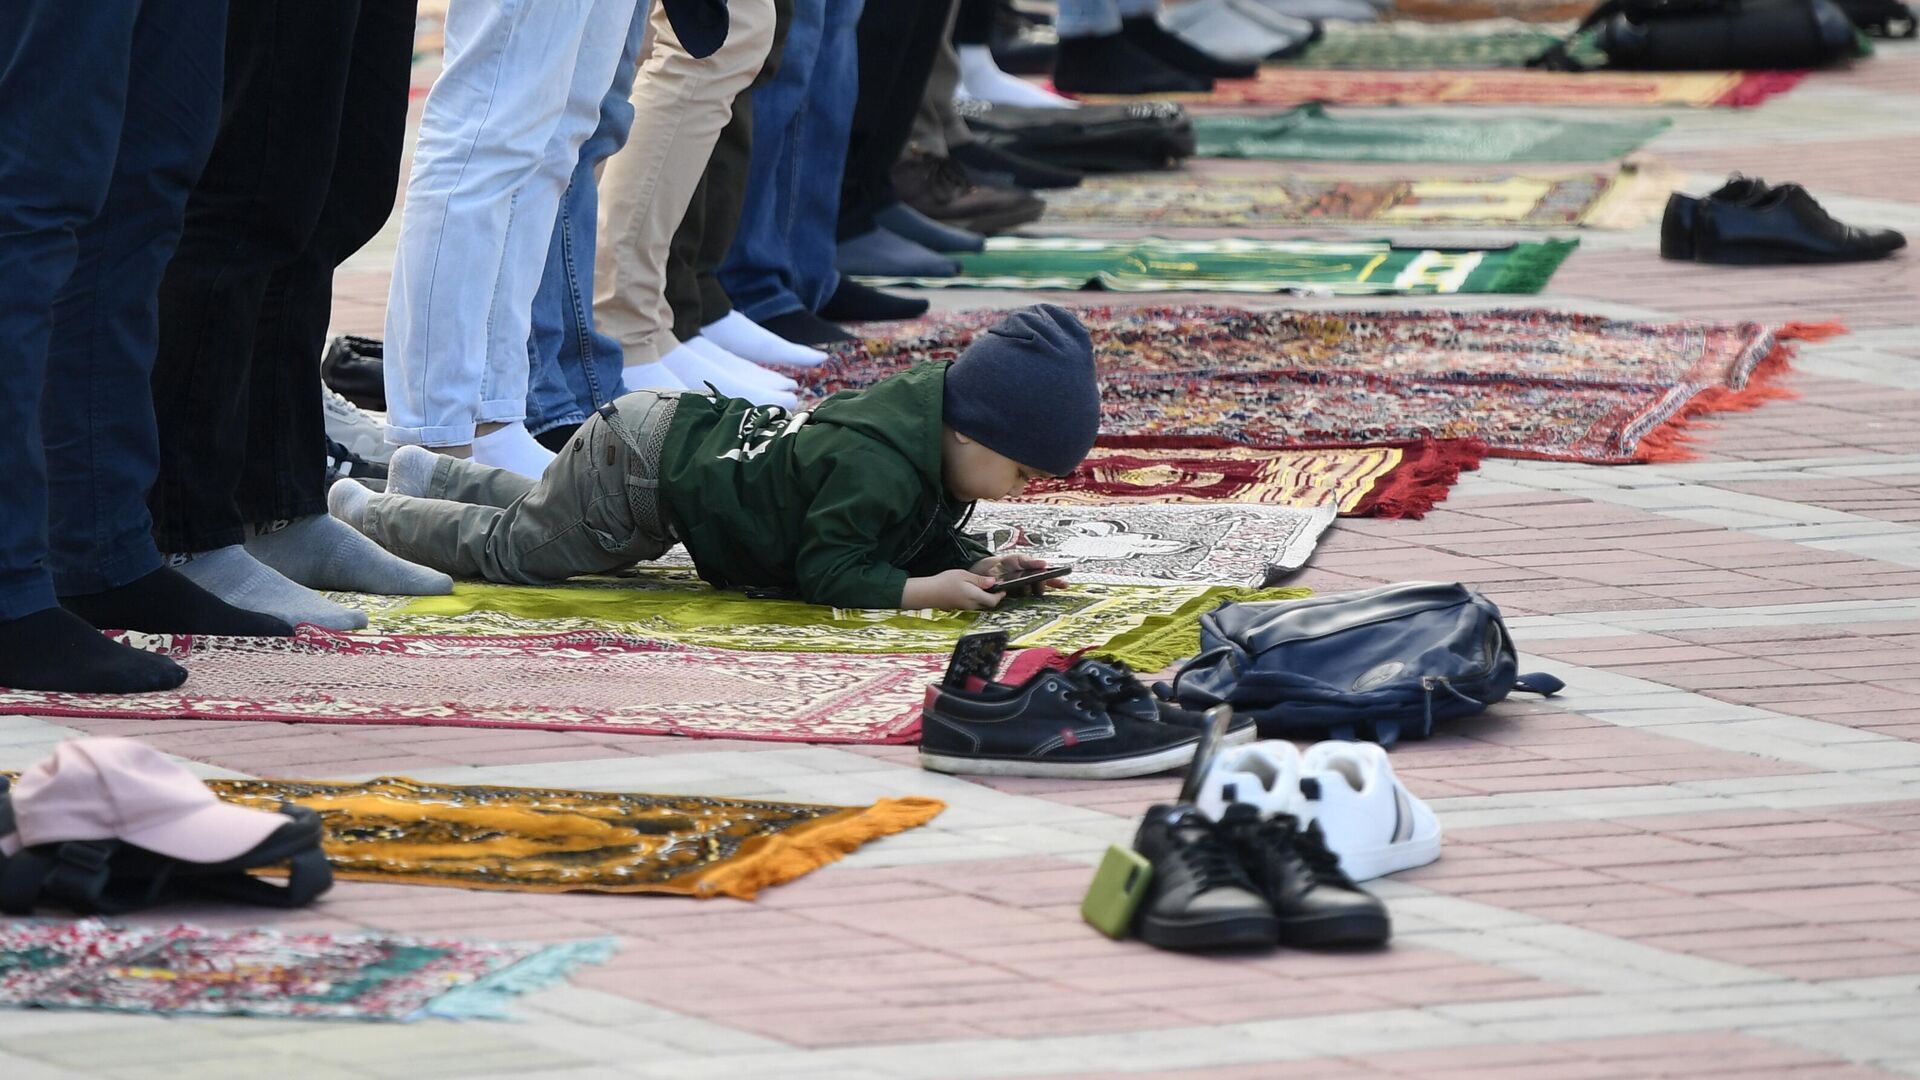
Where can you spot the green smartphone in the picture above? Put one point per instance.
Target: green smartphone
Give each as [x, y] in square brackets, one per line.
[1117, 889]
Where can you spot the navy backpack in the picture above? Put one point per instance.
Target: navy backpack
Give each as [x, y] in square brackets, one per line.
[1378, 665]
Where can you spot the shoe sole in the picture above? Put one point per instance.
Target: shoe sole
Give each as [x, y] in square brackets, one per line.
[1390, 858]
[1776, 258]
[1116, 769]
[1357, 928]
[1214, 932]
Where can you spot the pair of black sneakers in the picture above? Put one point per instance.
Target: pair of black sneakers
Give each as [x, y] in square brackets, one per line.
[1094, 720]
[1246, 882]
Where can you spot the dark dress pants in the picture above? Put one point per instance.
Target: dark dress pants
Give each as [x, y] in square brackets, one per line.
[898, 41]
[304, 172]
[107, 113]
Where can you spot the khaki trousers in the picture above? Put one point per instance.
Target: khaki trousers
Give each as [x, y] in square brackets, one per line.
[680, 105]
[595, 509]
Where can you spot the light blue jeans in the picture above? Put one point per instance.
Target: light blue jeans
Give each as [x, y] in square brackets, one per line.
[1099, 18]
[574, 369]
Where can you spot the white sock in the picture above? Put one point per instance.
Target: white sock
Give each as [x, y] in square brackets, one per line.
[981, 78]
[347, 500]
[654, 376]
[743, 337]
[410, 470]
[691, 366]
[513, 447]
[744, 370]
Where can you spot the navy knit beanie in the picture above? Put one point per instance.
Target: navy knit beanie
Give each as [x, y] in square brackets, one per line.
[1025, 389]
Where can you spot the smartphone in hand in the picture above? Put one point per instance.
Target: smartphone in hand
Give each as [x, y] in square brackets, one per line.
[1027, 582]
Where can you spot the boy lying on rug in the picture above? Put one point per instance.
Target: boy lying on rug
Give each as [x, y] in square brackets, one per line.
[856, 504]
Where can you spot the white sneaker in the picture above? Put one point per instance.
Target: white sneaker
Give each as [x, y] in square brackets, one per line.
[354, 429]
[1369, 818]
[1265, 775]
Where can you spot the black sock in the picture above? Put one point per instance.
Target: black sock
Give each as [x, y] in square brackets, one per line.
[555, 439]
[806, 328]
[1114, 65]
[854, 302]
[1170, 48]
[165, 602]
[54, 649]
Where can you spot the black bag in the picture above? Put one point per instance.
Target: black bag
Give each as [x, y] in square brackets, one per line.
[109, 877]
[1881, 18]
[1092, 138]
[1375, 665]
[1711, 35]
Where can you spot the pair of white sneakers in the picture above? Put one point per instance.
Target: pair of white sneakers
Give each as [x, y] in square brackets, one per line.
[1367, 816]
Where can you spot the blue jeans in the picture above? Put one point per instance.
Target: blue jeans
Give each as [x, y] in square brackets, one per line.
[108, 111]
[573, 368]
[782, 257]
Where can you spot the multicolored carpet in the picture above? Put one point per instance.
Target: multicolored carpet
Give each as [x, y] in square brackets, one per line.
[1138, 543]
[1310, 133]
[187, 970]
[1531, 384]
[1449, 11]
[1624, 198]
[1383, 481]
[1283, 86]
[1302, 267]
[1414, 46]
[470, 836]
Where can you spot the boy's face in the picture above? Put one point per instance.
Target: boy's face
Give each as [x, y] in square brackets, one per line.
[973, 472]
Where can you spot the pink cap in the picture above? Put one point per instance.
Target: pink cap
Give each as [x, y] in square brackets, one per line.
[107, 789]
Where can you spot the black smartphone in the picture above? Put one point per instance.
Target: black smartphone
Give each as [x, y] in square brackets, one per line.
[976, 656]
[1217, 718]
[1028, 579]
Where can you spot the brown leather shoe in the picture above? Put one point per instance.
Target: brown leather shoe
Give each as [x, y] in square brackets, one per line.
[940, 188]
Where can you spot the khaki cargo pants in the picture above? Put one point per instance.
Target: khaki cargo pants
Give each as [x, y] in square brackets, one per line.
[595, 509]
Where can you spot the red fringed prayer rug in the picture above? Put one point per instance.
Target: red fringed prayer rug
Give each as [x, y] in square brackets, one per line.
[1527, 384]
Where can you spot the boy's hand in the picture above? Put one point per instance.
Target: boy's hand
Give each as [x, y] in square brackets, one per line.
[958, 590]
[1006, 566]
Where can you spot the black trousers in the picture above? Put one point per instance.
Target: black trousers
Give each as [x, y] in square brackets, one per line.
[304, 171]
[706, 232]
[898, 40]
[974, 26]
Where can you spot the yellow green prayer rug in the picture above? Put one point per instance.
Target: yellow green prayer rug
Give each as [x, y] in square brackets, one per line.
[1148, 626]
[1301, 267]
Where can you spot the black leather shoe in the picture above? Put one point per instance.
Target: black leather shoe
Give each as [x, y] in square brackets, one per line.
[984, 162]
[1124, 695]
[1315, 901]
[1146, 32]
[353, 368]
[1114, 65]
[1676, 226]
[1783, 225]
[1049, 725]
[940, 188]
[1200, 896]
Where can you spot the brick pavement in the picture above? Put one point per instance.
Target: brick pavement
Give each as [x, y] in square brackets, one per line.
[1700, 861]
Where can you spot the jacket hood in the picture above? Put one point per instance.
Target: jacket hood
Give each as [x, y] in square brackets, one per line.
[902, 412]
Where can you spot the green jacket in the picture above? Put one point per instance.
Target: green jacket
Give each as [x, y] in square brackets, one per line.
[843, 503]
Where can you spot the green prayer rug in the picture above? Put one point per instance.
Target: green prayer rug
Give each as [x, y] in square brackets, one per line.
[1415, 46]
[1308, 133]
[1149, 626]
[1302, 267]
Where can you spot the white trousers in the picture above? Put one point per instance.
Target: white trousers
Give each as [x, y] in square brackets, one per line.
[500, 137]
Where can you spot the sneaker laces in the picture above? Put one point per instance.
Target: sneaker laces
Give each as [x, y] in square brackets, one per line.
[1311, 844]
[1206, 854]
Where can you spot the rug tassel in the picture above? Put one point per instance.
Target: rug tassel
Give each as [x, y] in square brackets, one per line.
[1672, 441]
[1426, 474]
[779, 858]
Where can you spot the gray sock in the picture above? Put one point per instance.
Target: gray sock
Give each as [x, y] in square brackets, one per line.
[243, 581]
[410, 470]
[323, 552]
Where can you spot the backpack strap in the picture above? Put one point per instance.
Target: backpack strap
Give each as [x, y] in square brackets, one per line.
[76, 875]
[308, 875]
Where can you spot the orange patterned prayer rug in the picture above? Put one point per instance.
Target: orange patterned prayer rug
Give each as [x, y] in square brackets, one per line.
[1528, 384]
[475, 836]
[1279, 86]
[582, 681]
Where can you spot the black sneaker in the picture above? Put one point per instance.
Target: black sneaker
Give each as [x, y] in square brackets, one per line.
[1200, 896]
[1050, 725]
[1315, 901]
[1122, 692]
[355, 368]
[343, 463]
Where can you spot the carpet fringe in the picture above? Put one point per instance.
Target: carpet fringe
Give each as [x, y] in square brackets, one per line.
[775, 860]
[1427, 471]
[1673, 440]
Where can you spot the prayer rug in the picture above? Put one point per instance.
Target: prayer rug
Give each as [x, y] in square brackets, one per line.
[1300, 267]
[1309, 133]
[1141, 543]
[1528, 384]
[672, 605]
[472, 836]
[1451, 11]
[1413, 46]
[1284, 86]
[1384, 481]
[188, 970]
[582, 681]
[1626, 198]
